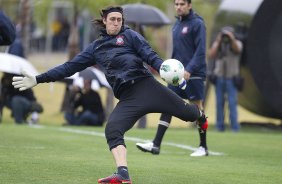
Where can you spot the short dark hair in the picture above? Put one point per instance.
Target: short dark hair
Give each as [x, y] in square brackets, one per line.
[188, 1]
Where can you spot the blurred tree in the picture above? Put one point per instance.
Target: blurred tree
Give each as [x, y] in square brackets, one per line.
[40, 10]
[42, 7]
[25, 20]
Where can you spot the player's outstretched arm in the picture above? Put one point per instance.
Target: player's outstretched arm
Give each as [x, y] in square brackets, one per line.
[25, 82]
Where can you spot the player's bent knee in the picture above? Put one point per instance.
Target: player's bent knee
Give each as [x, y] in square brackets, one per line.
[114, 136]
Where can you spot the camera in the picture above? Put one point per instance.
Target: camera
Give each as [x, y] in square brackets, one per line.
[225, 43]
[225, 37]
[225, 32]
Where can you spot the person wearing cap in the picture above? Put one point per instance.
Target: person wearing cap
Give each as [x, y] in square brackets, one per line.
[120, 52]
[226, 52]
[7, 30]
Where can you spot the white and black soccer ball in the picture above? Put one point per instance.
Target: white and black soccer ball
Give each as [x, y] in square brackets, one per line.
[172, 71]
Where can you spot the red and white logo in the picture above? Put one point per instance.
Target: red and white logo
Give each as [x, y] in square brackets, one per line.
[120, 40]
[184, 30]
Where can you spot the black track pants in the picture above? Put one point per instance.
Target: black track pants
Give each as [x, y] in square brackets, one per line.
[143, 97]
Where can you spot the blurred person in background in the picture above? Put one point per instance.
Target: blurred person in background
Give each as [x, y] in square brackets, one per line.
[92, 112]
[61, 31]
[73, 91]
[189, 47]
[7, 30]
[120, 52]
[226, 52]
[21, 103]
[17, 48]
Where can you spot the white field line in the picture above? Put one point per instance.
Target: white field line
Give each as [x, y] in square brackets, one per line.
[133, 139]
[23, 147]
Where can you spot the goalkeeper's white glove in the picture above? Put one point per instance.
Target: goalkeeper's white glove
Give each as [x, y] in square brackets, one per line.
[26, 82]
[182, 84]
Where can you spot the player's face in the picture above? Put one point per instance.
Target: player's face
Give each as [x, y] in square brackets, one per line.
[182, 7]
[113, 23]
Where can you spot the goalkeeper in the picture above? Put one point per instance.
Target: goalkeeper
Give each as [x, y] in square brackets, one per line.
[120, 52]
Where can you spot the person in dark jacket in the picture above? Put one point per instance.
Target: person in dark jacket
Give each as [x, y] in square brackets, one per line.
[21, 103]
[120, 52]
[92, 113]
[7, 30]
[16, 48]
[189, 47]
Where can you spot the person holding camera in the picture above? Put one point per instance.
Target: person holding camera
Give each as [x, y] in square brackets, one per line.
[92, 113]
[225, 52]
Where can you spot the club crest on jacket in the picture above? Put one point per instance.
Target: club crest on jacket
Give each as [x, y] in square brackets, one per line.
[120, 40]
[184, 30]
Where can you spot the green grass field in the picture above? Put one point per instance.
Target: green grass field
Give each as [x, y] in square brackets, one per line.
[64, 155]
[69, 155]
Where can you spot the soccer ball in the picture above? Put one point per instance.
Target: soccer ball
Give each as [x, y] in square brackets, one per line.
[172, 71]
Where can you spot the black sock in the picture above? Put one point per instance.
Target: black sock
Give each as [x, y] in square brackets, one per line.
[160, 134]
[203, 138]
[203, 130]
[123, 171]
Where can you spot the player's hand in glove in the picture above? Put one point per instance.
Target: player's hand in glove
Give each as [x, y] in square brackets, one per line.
[182, 84]
[23, 83]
